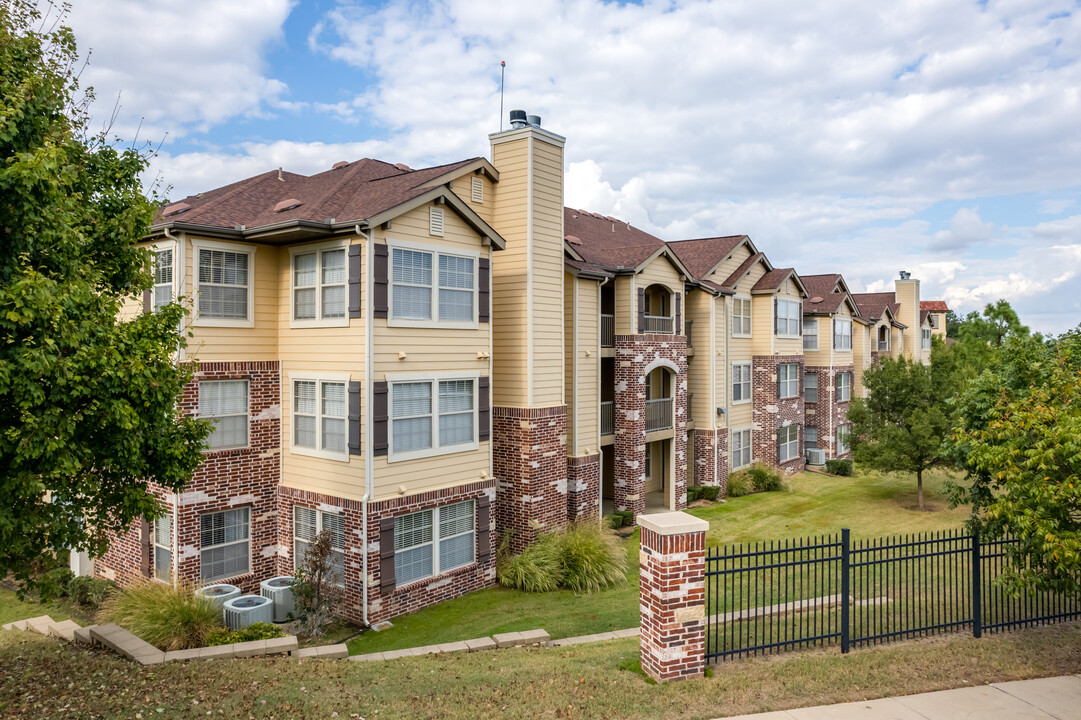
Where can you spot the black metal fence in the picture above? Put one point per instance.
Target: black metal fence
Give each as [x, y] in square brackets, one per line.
[811, 592]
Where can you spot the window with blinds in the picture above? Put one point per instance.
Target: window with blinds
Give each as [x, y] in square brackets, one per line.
[223, 284]
[320, 410]
[431, 542]
[788, 443]
[307, 523]
[741, 382]
[225, 544]
[163, 278]
[226, 403]
[741, 317]
[787, 380]
[433, 286]
[741, 448]
[319, 286]
[432, 416]
[788, 318]
[163, 549]
[842, 334]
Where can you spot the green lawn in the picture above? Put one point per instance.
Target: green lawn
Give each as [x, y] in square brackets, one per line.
[869, 505]
[11, 609]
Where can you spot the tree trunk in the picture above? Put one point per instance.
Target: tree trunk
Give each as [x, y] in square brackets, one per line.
[919, 486]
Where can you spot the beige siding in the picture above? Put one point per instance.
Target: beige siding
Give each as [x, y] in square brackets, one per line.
[586, 368]
[908, 296]
[547, 350]
[432, 473]
[729, 266]
[719, 356]
[626, 312]
[661, 271]
[697, 310]
[510, 214]
[463, 188]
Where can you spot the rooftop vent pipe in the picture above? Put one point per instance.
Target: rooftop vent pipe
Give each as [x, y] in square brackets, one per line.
[533, 120]
[905, 275]
[518, 119]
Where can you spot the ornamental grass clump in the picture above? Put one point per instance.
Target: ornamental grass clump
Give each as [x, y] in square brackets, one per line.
[167, 617]
[580, 558]
[538, 568]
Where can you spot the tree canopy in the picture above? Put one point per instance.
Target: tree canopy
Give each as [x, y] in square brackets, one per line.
[89, 399]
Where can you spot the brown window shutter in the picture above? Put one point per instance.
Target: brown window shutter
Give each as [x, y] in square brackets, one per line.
[147, 547]
[484, 522]
[354, 418]
[354, 281]
[679, 313]
[641, 310]
[801, 319]
[380, 282]
[484, 410]
[380, 419]
[775, 316]
[484, 290]
[148, 300]
[386, 554]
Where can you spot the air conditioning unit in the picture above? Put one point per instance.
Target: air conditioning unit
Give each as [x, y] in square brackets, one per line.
[242, 611]
[816, 456]
[219, 593]
[280, 591]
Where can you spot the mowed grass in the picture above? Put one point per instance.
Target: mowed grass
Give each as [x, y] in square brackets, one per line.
[869, 504]
[46, 678]
[12, 609]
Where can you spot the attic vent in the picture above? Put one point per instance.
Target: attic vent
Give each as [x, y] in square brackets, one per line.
[340, 163]
[478, 190]
[403, 167]
[175, 209]
[572, 240]
[435, 221]
[286, 205]
[816, 299]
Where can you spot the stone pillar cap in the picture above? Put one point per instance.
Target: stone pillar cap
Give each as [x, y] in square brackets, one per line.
[673, 523]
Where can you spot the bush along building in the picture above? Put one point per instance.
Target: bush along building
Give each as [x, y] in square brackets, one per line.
[423, 361]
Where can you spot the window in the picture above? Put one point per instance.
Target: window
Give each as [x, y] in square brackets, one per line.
[842, 334]
[810, 387]
[163, 549]
[741, 382]
[307, 523]
[319, 280]
[810, 334]
[788, 318]
[225, 544]
[435, 221]
[810, 438]
[163, 278]
[844, 387]
[431, 542]
[788, 443]
[926, 333]
[741, 448]
[412, 279]
[741, 317]
[788, 380]
[843, 431]
[934, 320]
[414, 408]
[224, 285]
[319, 415]
[477, 189]
[226, 403]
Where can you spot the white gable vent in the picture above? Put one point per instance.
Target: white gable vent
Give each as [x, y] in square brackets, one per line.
[435, 221]
[242, 611]
[280, 591]
[478, 190]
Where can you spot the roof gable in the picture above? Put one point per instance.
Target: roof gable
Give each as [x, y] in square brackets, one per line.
[701, 256]
[607, 242]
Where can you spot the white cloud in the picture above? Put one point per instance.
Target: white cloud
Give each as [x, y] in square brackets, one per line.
[1056, 205]
[966, 228]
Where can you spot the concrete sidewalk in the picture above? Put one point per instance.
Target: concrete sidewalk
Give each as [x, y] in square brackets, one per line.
[1057, 698]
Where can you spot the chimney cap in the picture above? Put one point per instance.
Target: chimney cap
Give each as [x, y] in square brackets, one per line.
[905, 275]
[534, 120]
[518, 119]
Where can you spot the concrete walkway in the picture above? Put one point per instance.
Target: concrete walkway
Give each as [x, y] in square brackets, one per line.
[1057, 698]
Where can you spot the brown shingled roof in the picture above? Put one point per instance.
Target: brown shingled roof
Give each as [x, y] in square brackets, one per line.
[872, 305]
[820, 285]
[732, 280]
[773, 279]
[702, 255]
[608, 242]
[934, 305]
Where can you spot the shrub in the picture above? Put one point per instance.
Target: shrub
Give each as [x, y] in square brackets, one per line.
[627, 515]
[55, 583]
[255, 631]
[709, 492]
[90, 592]
[766, 479]
[740, 483]
[693, 493]
[317, 586]
[538, 568]
[168, 617]
[591, 559]
[839, 467]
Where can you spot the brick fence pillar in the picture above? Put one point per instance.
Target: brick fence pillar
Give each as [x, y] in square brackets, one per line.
[673, 595]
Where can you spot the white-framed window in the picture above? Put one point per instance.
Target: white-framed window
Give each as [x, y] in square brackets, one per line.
[787, 380]
[810, 387]
[430, 287]
[788, 318]
[477, 189]
[225, 544]
[741, 317]
[320, 413]
[431, 416]
[933, 320]
[431, 542]
[319, 277]
[741, 448]
[226, 403]
[842, 334]
[307, 523]
[435, 221]
[926, 336]
[224, 283]
[843, 432]
[810, 334]
[810, 437]
[163, 277]
[788, 443]
[741, 382]
[844, 386]
[163, 548]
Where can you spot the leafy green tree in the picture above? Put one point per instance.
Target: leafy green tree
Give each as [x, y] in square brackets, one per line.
[89, 400]
[953, 323]
[901, 425]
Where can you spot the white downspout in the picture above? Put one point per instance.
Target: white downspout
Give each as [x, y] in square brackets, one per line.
[727, 377]
[600, 375]
[832, 400]
[369, 469]
[178, 284]
[713, 382]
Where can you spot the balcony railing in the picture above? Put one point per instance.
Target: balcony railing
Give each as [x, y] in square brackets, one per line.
[658, 414]
[608, 330]
[883, 345]
[660, 324]
[608, 417]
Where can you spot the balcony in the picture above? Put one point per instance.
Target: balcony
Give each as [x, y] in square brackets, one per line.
[608, 417]
[659, 415]
[660, 324]
[608, 330]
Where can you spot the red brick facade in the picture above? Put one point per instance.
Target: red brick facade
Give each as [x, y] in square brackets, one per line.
[636, 357]
[826, 414]
[583, 487]
[529, 449]
[770, 413]
[711, 462]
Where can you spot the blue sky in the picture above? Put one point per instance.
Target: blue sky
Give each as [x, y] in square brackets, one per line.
[938, 137]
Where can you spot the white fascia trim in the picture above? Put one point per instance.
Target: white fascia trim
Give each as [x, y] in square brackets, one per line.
[198, 244]
[436, 251]
[305, 250]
